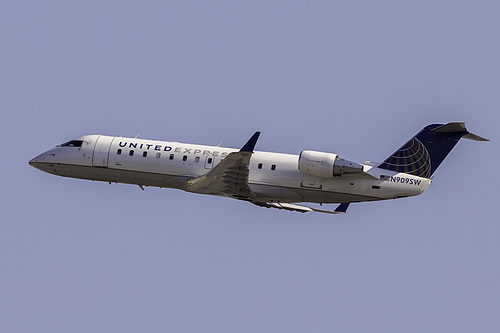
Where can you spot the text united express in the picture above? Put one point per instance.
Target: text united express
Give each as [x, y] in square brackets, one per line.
[168, 148]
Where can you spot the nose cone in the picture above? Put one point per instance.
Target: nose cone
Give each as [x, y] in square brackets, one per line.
[36, 161]
[41, 162]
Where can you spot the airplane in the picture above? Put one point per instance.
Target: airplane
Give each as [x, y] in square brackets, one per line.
[266, 179]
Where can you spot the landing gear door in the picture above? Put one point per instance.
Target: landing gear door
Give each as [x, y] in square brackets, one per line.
[101, 151]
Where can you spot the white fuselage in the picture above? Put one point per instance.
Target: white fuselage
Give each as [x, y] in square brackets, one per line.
[273, 177]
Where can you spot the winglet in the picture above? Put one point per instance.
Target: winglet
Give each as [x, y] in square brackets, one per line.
[342, 208]
[250, 145]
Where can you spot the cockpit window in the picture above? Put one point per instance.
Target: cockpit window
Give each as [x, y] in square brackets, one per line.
[72, 143]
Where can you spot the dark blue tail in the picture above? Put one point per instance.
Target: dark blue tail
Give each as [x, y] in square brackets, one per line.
[423, 154]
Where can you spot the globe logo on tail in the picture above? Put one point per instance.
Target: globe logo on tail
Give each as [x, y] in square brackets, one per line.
[413, 158]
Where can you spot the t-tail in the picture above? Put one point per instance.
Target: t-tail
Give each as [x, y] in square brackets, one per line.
[423, 153]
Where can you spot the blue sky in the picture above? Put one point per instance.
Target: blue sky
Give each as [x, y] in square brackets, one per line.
[354, 78]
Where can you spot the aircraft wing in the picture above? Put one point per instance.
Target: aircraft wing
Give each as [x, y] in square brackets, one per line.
[230, 176]
[341, 209]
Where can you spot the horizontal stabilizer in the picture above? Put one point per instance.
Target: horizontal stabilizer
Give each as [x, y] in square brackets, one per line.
[451, 128]
[458, 128]
[474, 137]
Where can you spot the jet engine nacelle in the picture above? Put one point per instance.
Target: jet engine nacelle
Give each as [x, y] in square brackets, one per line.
[326, 164]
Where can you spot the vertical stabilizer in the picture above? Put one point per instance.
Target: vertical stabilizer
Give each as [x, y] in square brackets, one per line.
[423, 153]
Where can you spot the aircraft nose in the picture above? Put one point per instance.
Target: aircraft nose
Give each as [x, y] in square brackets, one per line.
[34, 161]
[43, 162]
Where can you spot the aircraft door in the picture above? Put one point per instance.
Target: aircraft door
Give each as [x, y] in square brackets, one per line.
[209, 162]
[101, 151]
[212, 161]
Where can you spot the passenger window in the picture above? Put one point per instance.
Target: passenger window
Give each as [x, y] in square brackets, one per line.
[171, 157]
[119, 151]
[197, 159]
[158, 155]
[131, 153]
[145, 154]
[259, 166]
[273, 167]
[184, 158]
